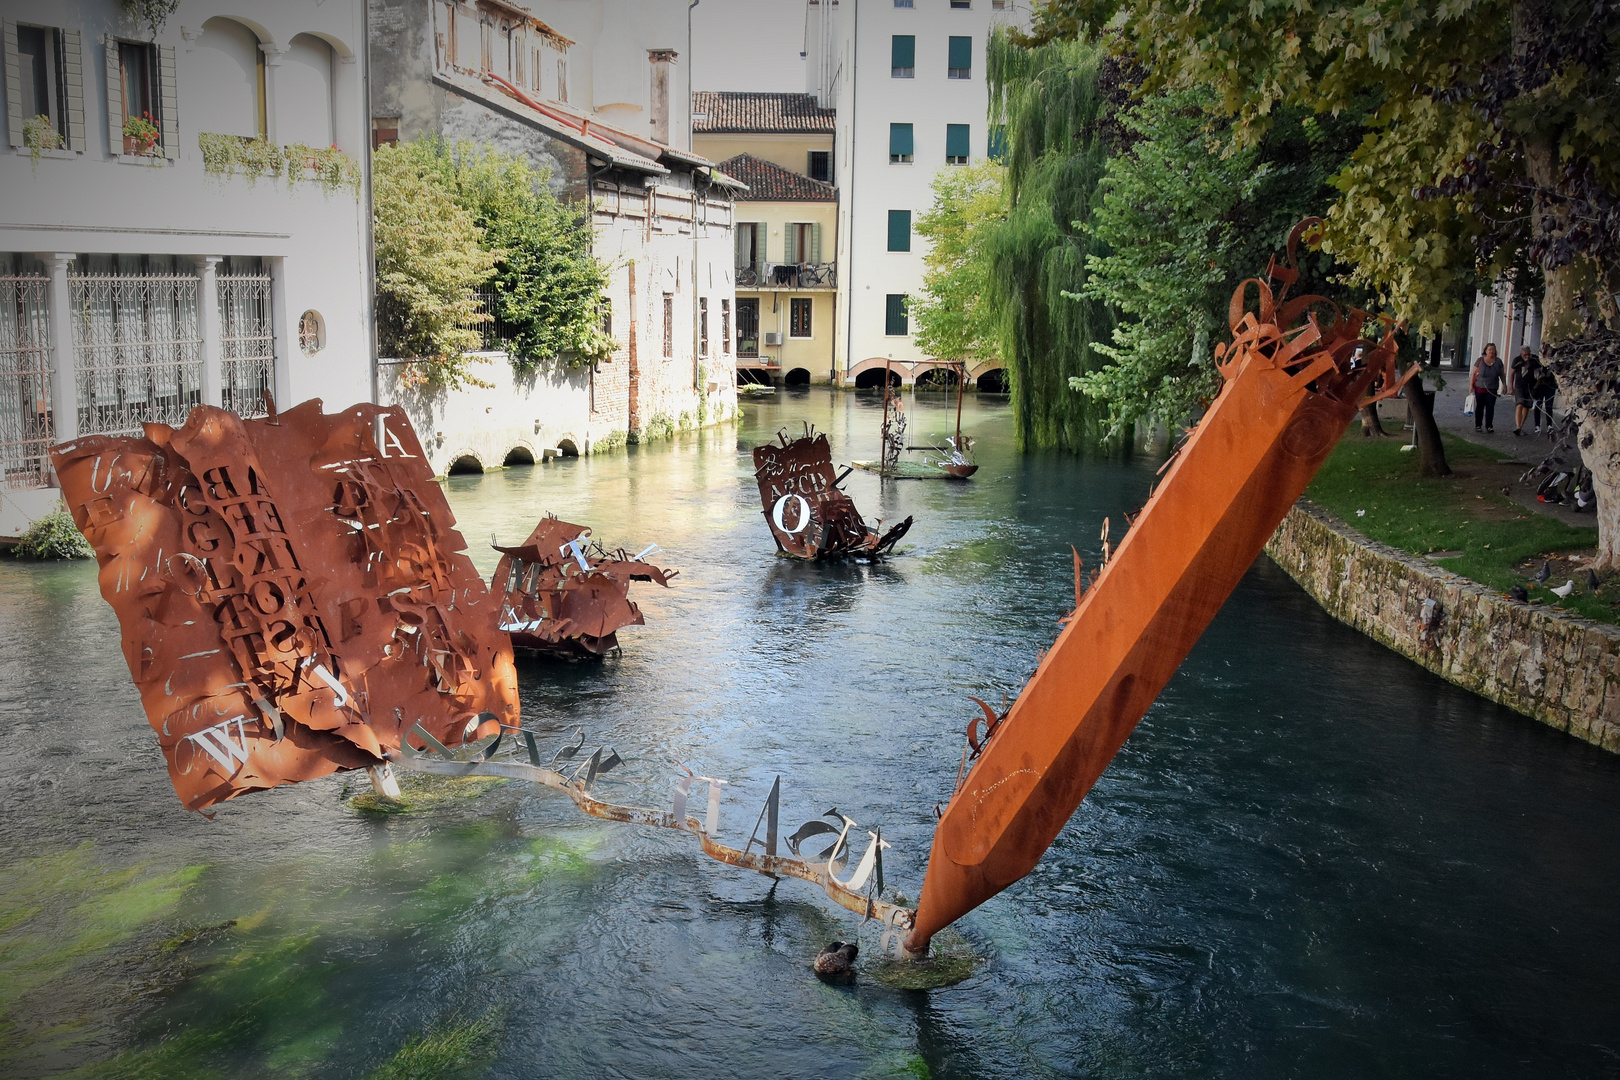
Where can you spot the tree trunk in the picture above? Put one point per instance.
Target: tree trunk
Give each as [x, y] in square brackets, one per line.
[1371, 425]
[1431, 452]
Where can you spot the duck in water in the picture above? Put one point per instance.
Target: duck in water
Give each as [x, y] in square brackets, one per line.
[836, 963]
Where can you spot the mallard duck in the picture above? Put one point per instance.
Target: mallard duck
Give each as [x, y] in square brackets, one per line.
[837, 961]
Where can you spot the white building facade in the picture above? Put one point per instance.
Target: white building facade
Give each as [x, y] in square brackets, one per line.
[907, 79]
[184, 220]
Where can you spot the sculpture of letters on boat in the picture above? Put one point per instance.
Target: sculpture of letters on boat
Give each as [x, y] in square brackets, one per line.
[809, 516]
[563, 594]
[292, 592]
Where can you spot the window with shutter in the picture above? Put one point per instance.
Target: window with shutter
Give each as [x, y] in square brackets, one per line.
[37, 81]
[790, 245]
[115, 96]
[899, 142]
[895, 323]
[703, 326]
[903, 56]
[725, 327]
[73, 87]
[960, 63]
[956, 144]
[168, 102]
[815, 243]
[899, 230]
[14, 113]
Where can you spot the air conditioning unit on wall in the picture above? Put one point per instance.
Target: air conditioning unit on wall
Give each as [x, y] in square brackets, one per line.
[773, 337]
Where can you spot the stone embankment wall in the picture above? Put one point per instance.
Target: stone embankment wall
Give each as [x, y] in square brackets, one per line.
[1558, 668]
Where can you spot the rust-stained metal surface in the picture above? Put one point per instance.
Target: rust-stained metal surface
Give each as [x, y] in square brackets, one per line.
[1293, 382]
[292, 593]
[563, 593]
[810, 517]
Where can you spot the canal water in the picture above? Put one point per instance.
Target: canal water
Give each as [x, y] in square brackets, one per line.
[1312, 858]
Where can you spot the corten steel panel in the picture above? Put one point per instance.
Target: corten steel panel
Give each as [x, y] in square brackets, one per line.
[807, 513]
[553, 604]
[292, 593]
[1291, 388]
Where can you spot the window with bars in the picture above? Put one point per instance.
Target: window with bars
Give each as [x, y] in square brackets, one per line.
[896, 322]
[799, 311]
[725, 327]
[956, 144]
[959, 64]
[900, 144]
[899, 230]
[703, 326]
[903, 56]
[247, 345]
[136, 343]
[26, 426]
[669, 326]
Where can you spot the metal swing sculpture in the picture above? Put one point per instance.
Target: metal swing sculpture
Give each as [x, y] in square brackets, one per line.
[294, 602]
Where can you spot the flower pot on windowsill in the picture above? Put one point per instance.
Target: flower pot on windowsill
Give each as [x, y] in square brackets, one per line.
[135, 146]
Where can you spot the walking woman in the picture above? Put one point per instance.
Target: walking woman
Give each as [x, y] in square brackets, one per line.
[1485, 382]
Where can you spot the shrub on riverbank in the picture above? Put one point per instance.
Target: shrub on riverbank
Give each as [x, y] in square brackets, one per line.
[53, 536]
[1464, 513]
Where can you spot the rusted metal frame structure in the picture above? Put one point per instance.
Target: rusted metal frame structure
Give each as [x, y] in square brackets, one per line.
[1291, 386]
[809, 516]
[858, 893]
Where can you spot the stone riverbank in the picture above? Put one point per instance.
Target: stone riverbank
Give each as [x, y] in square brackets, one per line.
[1558, 668]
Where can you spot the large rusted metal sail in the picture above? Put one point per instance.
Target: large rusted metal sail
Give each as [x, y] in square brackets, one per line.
[1295, 376]
[292, 592]
[810, 517]
[563, 594]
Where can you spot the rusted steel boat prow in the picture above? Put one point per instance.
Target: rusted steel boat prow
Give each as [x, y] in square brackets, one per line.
[809, 516]
[1291, 388]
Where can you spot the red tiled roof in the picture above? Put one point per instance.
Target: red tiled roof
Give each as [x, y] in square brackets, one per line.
[769, 182]
[735, 112]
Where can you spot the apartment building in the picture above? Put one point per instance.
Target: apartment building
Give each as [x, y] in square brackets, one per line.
[906, 79]
[597, 94]
[184, 221]
[780, 146]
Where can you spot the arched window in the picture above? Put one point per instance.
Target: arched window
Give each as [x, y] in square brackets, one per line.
[311, 333]
[230, 69]
[304, 93]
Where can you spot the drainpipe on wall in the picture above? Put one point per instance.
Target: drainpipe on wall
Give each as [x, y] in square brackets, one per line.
[854, 90]
[369, 274]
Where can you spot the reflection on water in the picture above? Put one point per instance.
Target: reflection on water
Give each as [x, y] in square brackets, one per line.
[1313, 858]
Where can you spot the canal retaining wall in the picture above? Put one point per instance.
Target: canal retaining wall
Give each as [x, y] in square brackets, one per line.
[1558, 668]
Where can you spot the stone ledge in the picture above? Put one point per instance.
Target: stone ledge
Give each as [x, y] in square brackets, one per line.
[1561, 669]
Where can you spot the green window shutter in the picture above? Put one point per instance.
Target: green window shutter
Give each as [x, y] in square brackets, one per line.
[169, 97]
[762, 237]
[903, 51]
[899, 230]
[894, 315]
[790, 236]
[961, 54]
[14, 116]
[115, 98]
[815, 242]
[73, 83]
[900, 140]
[995, 147]
[956, 140]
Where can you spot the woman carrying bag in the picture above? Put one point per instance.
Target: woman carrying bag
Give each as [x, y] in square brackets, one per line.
[1484, 382]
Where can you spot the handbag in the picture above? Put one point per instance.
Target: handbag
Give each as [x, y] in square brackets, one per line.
[1468, 406]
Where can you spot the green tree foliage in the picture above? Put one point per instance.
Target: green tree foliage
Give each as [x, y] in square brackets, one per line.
[430, 260]
[548, 286]
[955, 319]
[1491, 150]
[1050, 102]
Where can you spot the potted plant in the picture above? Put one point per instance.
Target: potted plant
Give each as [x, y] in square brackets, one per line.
[40, 135]
[141, 136]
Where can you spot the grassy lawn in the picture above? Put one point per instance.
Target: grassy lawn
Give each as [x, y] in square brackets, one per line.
[1498, 542]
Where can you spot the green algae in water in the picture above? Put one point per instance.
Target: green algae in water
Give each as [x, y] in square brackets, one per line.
[420, 792]
[455, 1046]
[951, 959]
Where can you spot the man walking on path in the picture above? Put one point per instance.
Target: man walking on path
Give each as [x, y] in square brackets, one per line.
[1486, 381]
[1522, 380]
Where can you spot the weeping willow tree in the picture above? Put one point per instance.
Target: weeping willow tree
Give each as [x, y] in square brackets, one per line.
[1048, 102]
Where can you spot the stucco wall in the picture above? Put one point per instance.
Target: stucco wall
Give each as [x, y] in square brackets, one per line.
[1557, 668]
[792, 152]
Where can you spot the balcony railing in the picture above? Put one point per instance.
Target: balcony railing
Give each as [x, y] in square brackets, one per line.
[788, 276]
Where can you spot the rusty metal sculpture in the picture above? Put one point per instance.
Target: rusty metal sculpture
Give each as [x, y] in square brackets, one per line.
[1292, 383]
[810, 517]
[563, 594]
[292, 593]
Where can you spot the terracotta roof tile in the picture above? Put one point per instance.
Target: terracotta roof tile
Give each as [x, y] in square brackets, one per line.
[735, 112]
[769, 182]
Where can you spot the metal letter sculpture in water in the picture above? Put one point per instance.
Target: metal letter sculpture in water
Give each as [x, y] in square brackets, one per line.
[292, 593]
[809, 516]
[1292, 385]
[560, 593]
